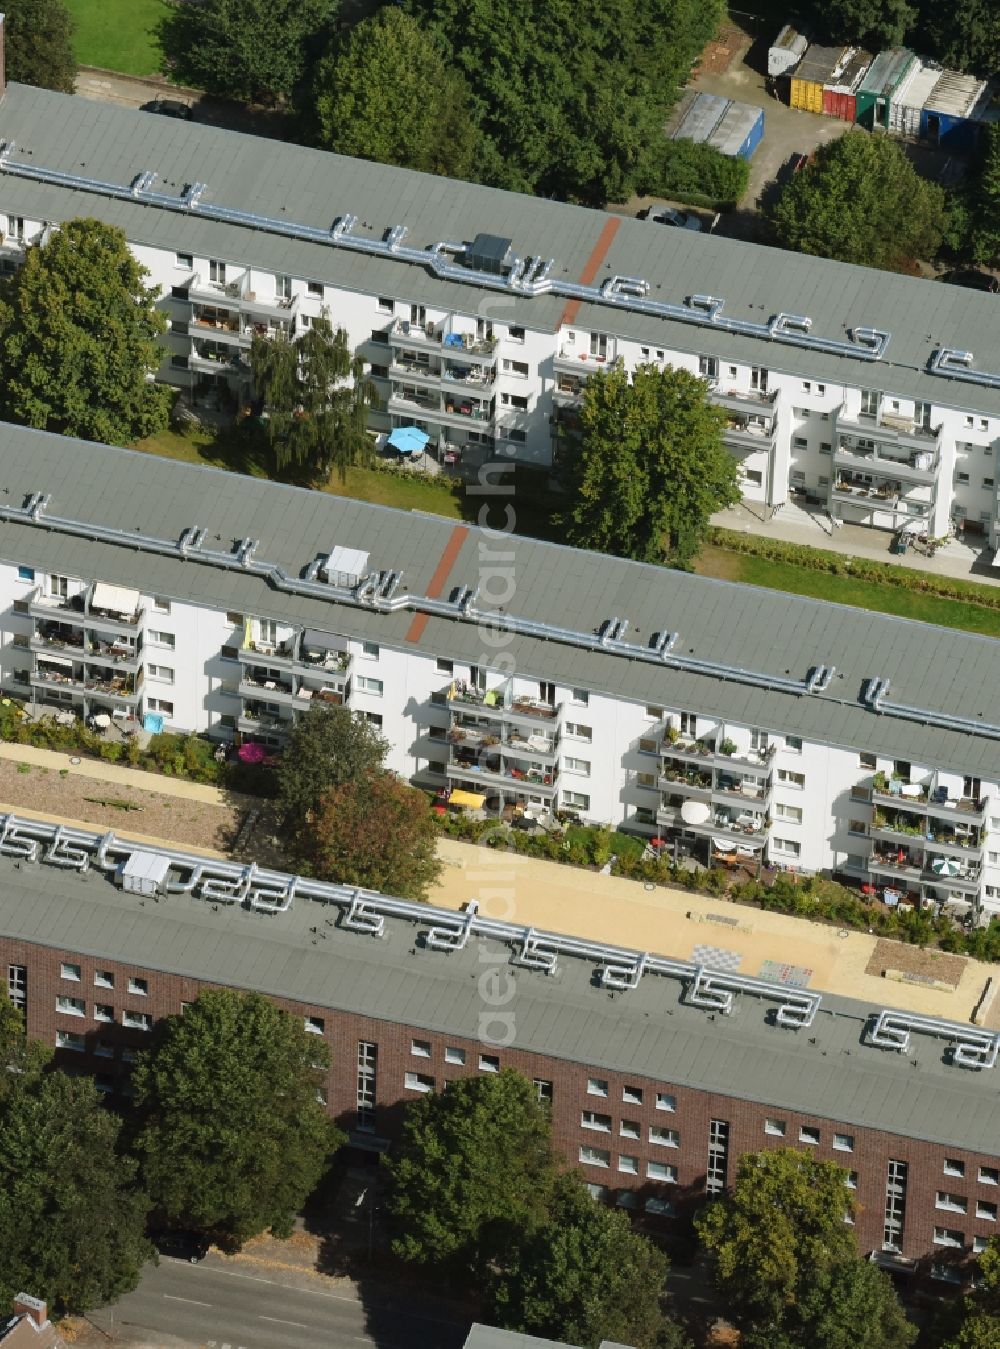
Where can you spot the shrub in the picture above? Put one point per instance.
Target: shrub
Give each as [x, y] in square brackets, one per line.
[699, 174]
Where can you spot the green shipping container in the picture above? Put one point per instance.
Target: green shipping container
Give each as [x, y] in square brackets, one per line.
[879, 86]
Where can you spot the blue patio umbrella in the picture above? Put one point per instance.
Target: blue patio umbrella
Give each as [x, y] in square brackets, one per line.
[408, 439]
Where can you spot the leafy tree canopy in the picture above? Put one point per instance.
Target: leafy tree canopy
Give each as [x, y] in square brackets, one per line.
[570, 95]
[38, 42]
[848, 1305]
[964, 34]
[985, 227]
[71, 1217]
[387, 92]
[316, 396]
[860, 200]
[78, 339]
[650, 468]
[876, 24]
[472, 1174]
[252, 50]
[975, 1322]
[325, 748]
[584, 1277]
[231, 1135]
[375, 831]
[781, 1225]
[694, 172]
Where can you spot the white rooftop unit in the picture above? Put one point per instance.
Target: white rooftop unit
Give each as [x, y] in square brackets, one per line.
[346, 566]
[144, 873]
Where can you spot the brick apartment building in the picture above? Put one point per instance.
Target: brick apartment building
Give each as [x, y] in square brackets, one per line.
[660, 1073]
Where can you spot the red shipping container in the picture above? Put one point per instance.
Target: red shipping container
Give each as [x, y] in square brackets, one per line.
[838, 104]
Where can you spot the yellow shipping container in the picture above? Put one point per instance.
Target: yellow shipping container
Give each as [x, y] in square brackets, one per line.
[807, 95]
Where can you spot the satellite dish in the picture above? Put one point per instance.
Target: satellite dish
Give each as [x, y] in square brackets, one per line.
[695, 812]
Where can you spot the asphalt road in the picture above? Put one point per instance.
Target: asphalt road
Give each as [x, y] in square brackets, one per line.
[210, 1304]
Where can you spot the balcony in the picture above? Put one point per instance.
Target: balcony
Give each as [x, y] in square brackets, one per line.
[254, 720]
[542, 749]
[416, 372]
[258, 683]
[218, 329]
[747, 402]
[918, 466]
[733, 789]
[889, 429]
[76, 680]
[217, 362]
[503, 770]
[900, 865]
[744, 828]
[950, 874]
[459, 379]
[878, 496]
[499, 704]
[708, 753]
[57, 608]
[52, 637]
[404, 334]
[220, 294]
[568, 391]
[124, 657]
[681, 779]
[927, 798]
[748, 433]
[573, 361]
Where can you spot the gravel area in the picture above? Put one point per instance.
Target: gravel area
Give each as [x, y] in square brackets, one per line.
[171, 818]
[897, 955]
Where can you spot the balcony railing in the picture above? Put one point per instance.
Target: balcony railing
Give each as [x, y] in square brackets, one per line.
[888, 428]
[744, 400]
[500, 704]
[709, 754]
[920, 466]
[927, 798]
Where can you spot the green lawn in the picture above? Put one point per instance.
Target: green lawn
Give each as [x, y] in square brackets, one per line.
[118, 34]
[884, 599]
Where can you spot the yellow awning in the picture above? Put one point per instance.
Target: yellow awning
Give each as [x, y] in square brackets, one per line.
[474, 800]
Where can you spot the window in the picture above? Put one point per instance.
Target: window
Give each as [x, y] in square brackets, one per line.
[580, 766]
[986, 1210]
[843, 1142]
[315, 288]
[580, 697]
[543, 1089]
[654, 713]
[519, 436]
[164, 673]
[160, 705]
[161, 605]
[418, 1082]
[137, 1020]
[592, 1119]
[445, 666]
[851, 1180]
[961, 477]
[68, 971]
[665, 1138]
[514, 400]
[368, 685]
[660, 1208]
[68, 1039]
[489, 1063]
[953, 1167]
[595, 1157]
[664, 1101]
[104, 979]
[708, 366]
[104, 1049]
[185, 260]
[791, 813]
[947, 1236]
[367, 1067]
[315, 1025]
[989, 1175]
[103, 1012]
[515, 333]
[988, 484]
[857, 827]
[718, 1156]
[139, 987]
[517, 368]
[789, 846]
[800, 443]
[17, 986]
[633, 1095]
[895, 1206]
[385, 305]
[25, 573]
[646, 780]
[128, 1054]
[576, 800]
[370, 650]
[807, 1134]
[70, 1006]
[599, 1193]
[775, 1127]
[597, 1086]
[217, 271]
[630, 1128]
[629, 1165]
[954, 1203]
[793, 743]
[791, 779]
[868, 761]
[156, 637]
[575, 730]
[454, 1055]
[661, 1171]
[979, 1244]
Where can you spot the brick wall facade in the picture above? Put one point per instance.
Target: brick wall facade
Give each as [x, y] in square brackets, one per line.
[105, 1048]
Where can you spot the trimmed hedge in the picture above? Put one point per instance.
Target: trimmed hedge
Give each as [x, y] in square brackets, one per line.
[858, 568]
[699, 175]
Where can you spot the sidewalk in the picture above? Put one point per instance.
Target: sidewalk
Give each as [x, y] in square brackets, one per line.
[673, 922]
[796, 524]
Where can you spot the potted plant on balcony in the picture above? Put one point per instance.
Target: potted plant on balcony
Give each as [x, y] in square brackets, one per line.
[880, 782]
[672, 734]
[727, 747]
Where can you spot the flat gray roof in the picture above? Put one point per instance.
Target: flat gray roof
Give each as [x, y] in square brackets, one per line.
[304, 956]
[98, 140]
[929, 667]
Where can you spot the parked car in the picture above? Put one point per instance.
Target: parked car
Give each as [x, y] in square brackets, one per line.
[667, 215]
[181, 1245]
[973, 279]
[169, 107]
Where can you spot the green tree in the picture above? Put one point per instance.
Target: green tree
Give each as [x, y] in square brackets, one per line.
[316, 397]
[325, 748]
[231, 1136]
[650, 467]
[375, 831]
[571, 95]
[964, 34]
[472, 1174]
[38, 42]
[584, 1277]
[974, 1323]
[387, 92]
[860, 200]
[985, 229]
[71, 1217]
[875, 24]
[78, 339]
[253, 50]
[694, 172]
[20, 1058]
[848, 1305]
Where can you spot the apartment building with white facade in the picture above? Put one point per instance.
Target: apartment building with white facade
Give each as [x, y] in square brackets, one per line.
[482, 313]
[750, 723]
